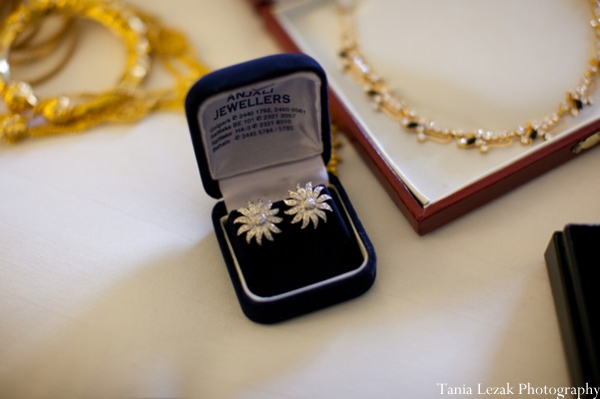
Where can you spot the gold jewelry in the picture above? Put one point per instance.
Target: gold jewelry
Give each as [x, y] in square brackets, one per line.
[383, 99]
[335, 159]
[26, 50]
[7, 7]
[144, 37]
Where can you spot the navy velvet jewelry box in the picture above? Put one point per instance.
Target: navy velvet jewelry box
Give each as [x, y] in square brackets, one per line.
[572, 258]
[259, 129]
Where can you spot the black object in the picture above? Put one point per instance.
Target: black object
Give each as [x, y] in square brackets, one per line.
[573, 261]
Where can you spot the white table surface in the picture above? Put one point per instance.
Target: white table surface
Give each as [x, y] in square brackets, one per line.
[112, 283]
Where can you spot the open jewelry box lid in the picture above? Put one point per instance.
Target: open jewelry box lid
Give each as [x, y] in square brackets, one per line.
[240, 118]
[465, 64]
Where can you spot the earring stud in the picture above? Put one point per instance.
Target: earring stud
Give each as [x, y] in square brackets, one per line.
[308, 205]
[258, 220]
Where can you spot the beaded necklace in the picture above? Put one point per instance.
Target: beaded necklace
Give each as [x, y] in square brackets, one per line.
[383, 99]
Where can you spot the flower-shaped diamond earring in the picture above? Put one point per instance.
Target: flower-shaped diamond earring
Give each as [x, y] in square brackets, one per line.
[258, 220]
[307, 205]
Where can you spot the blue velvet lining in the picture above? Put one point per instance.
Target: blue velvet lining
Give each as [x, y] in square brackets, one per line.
[296, 257]
[298, 260]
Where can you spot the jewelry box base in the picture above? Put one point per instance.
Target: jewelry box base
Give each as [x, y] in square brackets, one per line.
[311, 288]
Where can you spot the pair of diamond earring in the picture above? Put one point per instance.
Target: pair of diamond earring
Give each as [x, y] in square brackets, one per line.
[259, 219]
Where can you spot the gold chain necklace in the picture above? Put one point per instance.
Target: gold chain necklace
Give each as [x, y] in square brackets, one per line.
[383, 99]
[144, 36]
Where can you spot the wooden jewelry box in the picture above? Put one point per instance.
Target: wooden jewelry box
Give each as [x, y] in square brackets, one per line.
[464, 64]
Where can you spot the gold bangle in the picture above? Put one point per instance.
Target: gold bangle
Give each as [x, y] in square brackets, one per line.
[127, 101]
[27, 51]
